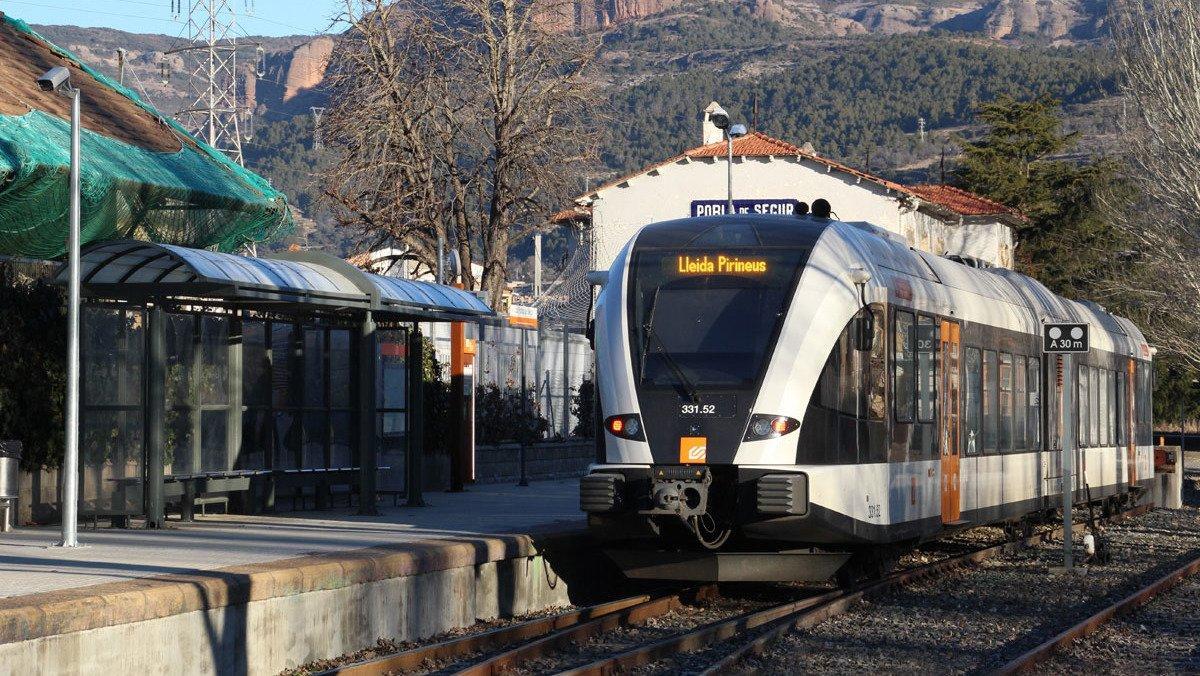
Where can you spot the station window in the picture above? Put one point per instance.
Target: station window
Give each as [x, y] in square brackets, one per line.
[990, 404]
[1033, 424]
[902, 386]
[1006, 402]
[974, 414]
[927, 344]
[1018, 403]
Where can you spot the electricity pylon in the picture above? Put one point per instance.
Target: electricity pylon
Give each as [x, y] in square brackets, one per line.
[210, 64]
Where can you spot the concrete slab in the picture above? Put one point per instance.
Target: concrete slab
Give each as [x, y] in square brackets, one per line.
[255, 595]
[29, 566]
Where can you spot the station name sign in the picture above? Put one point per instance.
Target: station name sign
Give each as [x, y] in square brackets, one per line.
[719, 264]
[718, 207]
[1065, 338]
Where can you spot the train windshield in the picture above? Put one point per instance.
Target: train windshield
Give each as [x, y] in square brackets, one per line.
[707, 319]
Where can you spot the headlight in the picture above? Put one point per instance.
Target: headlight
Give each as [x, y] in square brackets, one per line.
[769, 427]
[627, 426]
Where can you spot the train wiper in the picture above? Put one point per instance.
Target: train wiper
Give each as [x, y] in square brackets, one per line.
[688, 387]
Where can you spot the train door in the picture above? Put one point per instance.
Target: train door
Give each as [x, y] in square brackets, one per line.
[1130, 428]
[950, 406]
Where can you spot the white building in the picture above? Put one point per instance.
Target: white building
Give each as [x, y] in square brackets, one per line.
[773, 176]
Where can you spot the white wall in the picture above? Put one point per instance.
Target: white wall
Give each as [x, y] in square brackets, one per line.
[667, 193]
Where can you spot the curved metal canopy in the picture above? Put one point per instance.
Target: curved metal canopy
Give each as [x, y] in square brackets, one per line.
[137, 270]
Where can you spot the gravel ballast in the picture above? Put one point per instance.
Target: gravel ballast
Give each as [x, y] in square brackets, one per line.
[979, 618]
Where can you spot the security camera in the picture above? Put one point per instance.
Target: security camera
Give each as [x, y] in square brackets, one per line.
[54, 78]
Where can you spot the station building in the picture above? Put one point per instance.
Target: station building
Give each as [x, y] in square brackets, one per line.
[774, 176]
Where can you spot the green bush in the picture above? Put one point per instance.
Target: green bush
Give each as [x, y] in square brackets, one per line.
[33, 351]
[505, 415]
[583, 408]
[439, 419]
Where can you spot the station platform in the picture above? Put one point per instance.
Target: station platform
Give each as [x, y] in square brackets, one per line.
[259, 594]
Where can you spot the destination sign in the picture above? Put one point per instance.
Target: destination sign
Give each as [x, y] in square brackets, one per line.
[718, 264]
[1064, 338]
[718, 207]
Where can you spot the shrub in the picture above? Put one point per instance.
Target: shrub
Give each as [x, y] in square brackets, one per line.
[583, 404]
[505, 415]
[33, 355]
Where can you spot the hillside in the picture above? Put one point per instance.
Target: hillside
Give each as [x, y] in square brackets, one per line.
[852, 78]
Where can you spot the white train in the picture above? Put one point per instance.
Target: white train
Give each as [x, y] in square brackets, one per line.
[787, 398]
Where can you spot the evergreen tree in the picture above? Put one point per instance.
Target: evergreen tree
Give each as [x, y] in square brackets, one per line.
[1019, 161]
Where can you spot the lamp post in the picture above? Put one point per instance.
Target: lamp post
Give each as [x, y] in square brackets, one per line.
[720, 119]
[58, 79]
[736, 131]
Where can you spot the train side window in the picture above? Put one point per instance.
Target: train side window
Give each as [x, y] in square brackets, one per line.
[1005, 438]
[1112, 410]
[877, 378]
[927, 343]
[1121, 408]
[902, 365]
[1096, 436]
[1083, 417]
[1105, 410]
[1019, 407]
[990, 404]
[973, 391]
[1034, 422]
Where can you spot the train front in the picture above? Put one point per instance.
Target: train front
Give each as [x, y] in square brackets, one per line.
[686, 327]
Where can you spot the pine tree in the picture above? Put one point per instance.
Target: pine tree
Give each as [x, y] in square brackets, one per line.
[1019, 161]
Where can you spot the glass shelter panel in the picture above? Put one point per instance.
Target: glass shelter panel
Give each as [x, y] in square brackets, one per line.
[112, 452]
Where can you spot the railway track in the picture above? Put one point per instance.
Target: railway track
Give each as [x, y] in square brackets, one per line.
[1098, 620]
[544, 644]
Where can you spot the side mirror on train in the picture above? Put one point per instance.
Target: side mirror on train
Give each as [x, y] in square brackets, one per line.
[864, 332]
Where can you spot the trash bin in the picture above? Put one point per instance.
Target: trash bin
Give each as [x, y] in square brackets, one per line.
[10, 461]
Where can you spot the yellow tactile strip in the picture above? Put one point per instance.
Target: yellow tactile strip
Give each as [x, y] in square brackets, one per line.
[69, 610]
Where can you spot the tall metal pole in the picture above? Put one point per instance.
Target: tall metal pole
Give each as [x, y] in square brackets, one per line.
[121, 66]
[1068, 452]
[537, 265]
[70, 468]
[441, 260]
[729, 167]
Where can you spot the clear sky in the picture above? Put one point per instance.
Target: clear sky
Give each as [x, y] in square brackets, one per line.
[255, 17]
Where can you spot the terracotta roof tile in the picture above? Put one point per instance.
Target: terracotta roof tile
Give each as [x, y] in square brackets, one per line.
[960, 201]
[754, 144]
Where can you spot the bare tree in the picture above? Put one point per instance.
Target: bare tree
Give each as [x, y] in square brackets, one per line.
[462, 119]
[1158, 44]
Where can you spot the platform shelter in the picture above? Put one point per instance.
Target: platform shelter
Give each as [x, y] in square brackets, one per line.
[213, 377]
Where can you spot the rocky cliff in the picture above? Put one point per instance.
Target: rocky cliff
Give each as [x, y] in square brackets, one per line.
[294, 66]
[998, 19]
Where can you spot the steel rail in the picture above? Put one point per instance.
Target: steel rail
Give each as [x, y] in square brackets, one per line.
[804, 619]
[548, 644]
[1093, 623]
[411, 660]
[551, 633]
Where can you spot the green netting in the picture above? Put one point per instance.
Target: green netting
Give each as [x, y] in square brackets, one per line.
[195, 197]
